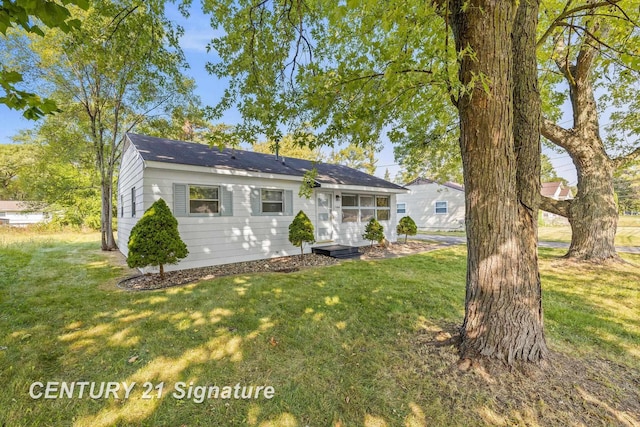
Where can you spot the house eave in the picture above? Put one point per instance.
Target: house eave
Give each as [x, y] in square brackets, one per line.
[368, 189]
[219, 171]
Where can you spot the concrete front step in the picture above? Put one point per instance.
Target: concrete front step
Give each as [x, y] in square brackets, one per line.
[337, 251]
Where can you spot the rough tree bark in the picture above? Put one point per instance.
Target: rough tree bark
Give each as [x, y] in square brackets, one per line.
[593, 213]
[503, 318]
[108, 241]
[526, 131]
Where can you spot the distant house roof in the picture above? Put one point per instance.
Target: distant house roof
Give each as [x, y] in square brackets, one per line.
[188, 153]
[423, 181]
[19, 206]
[556, 190]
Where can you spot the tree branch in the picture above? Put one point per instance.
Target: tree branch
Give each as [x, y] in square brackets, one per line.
[555, 133]
[626, 158]
[558, 207]
[568, 13]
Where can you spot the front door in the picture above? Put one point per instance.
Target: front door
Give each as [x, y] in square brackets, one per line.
[324, 225]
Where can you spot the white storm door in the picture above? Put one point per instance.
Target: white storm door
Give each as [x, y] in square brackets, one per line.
[324, 224]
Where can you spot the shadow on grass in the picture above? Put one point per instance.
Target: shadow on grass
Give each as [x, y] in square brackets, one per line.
[335, 343]
[597, 310]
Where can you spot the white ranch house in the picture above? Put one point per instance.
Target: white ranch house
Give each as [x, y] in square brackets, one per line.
[21, 214]
[433, 206]
[234, 205]
[557, 191]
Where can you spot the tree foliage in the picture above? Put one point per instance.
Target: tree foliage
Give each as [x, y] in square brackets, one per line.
[548, 172]
[351, 72]
[119, 69]
[359, 71]
[373, 231]
[289, 146]
[627, 185]
[155, 239]
[589, 47]
[60, 174]
[357, 157]
[186, 122]
[301, 231]
[407, 226]
[15, 160]
[31, 15]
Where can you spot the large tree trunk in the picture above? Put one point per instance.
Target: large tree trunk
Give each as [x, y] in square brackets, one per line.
[526, 131]
[502, 306]
[593, 213]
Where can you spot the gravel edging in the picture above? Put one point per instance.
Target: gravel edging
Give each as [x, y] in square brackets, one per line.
[286, 264]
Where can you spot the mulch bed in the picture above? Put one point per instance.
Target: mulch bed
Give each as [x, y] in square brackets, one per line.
[286, 264]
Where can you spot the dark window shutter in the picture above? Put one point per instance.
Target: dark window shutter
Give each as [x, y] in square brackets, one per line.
[179, 200]
[226, 205]
[255, 202]
[288, 202]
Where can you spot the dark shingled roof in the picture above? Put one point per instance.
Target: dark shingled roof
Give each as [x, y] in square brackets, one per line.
[189, 153]
[423, 181]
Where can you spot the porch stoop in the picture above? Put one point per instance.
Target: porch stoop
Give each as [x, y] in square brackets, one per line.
[337, 251]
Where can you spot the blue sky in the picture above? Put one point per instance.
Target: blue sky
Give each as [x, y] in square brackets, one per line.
[198, 33]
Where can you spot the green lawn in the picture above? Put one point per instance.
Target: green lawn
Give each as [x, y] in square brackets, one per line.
[340, 345]
[627, 233]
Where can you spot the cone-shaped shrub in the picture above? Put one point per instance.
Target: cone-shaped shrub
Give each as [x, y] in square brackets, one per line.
[373, 231]
[155, 239]
[407, 226]
[301, 231]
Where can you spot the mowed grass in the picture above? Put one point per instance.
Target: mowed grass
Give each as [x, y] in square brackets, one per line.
[627, 233]
[339, 345]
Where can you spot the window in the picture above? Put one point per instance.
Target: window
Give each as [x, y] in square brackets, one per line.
[204, 200]
[133, 202]
[349, 200]
[441, 208]
[401, 208]
[366, 201]
[383, 209]
[121, 206]
[363, 207]
[272, 201]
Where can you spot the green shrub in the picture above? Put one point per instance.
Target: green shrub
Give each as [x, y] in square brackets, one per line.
[155, 239]
[407, 226]
[373, 231]
[301, 231]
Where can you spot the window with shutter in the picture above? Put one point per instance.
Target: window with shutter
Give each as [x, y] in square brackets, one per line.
[267, 201]
[180, 200]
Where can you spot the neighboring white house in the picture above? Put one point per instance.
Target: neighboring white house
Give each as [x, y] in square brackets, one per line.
[21, 214]
[234, 205]
[433, 206]
[558, 191]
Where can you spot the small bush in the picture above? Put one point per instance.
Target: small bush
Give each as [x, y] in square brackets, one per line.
[155, 239]
[407, 226]
[301, 231]
[373, 231]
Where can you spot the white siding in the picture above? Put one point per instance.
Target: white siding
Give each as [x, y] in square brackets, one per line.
[130, 176]
[214, 240]
[421, 206]
[350, 233]
[22, 219]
